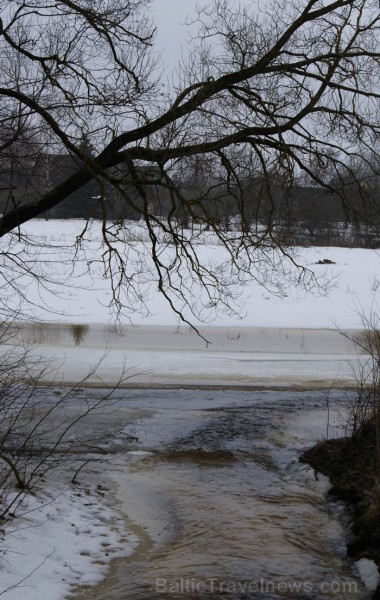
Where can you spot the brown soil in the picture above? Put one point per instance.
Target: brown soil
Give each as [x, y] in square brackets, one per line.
[350, 465]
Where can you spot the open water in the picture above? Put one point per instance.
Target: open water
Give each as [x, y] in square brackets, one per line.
[223, 508]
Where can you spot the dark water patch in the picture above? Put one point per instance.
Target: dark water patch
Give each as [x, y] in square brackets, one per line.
[201, 457]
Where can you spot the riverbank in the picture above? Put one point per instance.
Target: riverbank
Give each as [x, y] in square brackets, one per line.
[349, 463]
[63, 535]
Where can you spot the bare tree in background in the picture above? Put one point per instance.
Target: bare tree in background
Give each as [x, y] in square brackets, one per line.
[267, 93]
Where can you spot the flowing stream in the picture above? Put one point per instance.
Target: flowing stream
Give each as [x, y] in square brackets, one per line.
[220, 502]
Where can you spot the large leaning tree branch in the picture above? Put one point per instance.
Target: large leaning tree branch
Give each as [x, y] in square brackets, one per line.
[318, 73]
[268, 95]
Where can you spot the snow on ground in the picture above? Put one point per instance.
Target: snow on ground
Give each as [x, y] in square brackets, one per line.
[85, 297]
[63, 538]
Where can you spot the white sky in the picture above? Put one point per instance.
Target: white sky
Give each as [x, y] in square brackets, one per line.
[169, 17]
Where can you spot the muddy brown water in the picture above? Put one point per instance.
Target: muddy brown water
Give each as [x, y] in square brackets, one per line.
[221, 505]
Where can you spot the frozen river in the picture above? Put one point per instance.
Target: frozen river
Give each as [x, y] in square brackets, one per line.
[231, 356]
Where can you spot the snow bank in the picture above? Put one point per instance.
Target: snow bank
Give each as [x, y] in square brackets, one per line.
[64, 537]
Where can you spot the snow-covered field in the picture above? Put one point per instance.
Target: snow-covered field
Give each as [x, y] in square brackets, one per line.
[285, 338]
[352, 283]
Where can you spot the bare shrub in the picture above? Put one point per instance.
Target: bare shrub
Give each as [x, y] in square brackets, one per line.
[364, 412]
[37, 422]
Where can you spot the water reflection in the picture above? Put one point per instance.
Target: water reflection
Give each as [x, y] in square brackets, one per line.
[79, 333]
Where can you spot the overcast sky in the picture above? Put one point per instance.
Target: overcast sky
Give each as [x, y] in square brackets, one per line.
[169, 17]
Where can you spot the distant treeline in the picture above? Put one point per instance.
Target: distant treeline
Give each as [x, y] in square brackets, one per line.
[341, 213]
